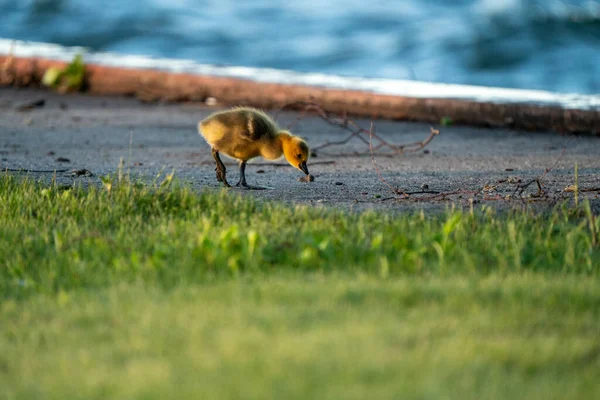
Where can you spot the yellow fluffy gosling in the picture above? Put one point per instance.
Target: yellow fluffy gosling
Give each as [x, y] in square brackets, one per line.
[244, 133]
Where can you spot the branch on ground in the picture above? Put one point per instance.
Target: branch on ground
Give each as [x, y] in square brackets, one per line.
[486, 193]
[356, 131]
[378, 146]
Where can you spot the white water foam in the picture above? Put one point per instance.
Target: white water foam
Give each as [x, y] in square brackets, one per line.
[402, 88]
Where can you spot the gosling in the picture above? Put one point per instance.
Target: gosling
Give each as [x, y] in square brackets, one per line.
[244, 133]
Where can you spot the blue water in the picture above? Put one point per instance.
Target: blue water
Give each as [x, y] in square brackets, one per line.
[535, 44]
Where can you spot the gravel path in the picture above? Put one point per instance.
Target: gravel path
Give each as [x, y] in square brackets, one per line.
[75, 132]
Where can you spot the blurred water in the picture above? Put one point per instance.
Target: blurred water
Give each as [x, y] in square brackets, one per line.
[535, 44]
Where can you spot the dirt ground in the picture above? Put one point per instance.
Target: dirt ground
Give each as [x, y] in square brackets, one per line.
[74, 132]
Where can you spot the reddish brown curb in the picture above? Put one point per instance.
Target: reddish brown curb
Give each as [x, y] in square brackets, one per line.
[154, 85]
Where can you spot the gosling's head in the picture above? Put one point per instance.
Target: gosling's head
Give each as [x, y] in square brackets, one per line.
[295, 151]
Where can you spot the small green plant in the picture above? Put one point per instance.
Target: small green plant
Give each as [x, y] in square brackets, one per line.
[446, 121]
[67, 79]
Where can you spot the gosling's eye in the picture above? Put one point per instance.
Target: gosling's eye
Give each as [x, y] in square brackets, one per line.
[299, 156]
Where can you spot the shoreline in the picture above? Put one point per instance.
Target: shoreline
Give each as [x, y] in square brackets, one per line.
[153, 80]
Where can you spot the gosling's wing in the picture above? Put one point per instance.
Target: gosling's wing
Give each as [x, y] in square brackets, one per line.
[259, 125]
[250, 124]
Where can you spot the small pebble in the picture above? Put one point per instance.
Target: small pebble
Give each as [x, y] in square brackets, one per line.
[307, 178]
[63, 159]
[339, 183]
[424, 186]
[426, 151]
[260, 171]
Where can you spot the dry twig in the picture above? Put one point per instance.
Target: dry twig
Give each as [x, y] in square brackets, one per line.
[378, 146]
[436, 195]
[34, 170]
[519, 186]
[356, 132]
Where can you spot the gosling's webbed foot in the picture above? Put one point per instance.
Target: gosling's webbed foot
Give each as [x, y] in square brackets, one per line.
[249, 187]
[242, 181]
[222, 178]
[220, 168]
[244, 185]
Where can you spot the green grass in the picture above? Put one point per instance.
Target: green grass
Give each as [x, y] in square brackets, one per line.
[153, 291]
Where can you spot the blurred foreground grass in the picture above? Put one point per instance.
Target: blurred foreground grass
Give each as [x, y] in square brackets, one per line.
[153, 291]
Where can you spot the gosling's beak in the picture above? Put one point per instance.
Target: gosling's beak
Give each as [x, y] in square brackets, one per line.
[303, 167]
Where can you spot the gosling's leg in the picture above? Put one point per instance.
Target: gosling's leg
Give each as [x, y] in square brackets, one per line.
[242, 181]
[221, 170]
